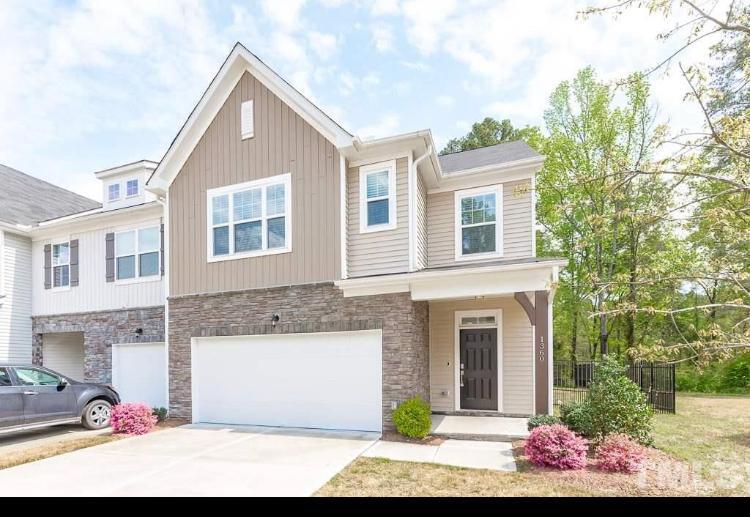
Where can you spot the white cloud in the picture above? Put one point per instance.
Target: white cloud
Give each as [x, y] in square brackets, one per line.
[382, 37]
[415, 65]
[425, 18]
[384, 7]
[324, 45]
[285, 13]
[387, 125]
[349, 83]
[445, 101]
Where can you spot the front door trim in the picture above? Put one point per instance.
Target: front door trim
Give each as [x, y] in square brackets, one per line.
[498, 314]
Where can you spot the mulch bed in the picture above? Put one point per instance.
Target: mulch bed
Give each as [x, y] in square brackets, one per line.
[662, 475]
[392, 436]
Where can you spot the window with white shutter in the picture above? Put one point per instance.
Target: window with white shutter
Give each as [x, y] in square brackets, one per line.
[247, 119]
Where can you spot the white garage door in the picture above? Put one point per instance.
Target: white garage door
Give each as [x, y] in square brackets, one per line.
[63, 353]
[139, 373]
[323, 381]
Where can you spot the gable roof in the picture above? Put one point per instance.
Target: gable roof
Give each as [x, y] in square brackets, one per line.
[499, 154]
[239, 61]
[26, 200]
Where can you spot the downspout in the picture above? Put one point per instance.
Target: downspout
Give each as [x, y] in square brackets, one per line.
[413, 178]
[164, 202]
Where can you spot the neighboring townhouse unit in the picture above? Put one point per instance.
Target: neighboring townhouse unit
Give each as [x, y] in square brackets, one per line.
[317, 280]
[24, 201]
[98, 290]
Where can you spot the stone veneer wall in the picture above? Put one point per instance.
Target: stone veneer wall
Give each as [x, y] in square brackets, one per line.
[100, 330]
[305, 309]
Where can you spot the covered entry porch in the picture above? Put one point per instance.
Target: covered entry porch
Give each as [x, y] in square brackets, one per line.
[490, 334]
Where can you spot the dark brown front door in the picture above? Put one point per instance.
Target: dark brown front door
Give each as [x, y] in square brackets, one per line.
[478, 369]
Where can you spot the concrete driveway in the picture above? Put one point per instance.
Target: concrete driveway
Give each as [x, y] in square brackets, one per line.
[195, 460]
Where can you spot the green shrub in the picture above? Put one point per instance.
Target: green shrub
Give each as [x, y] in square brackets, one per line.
[412, 418]
[160, 413]
[615, 404]
[537, 420]
[577, 416]
[731, 376]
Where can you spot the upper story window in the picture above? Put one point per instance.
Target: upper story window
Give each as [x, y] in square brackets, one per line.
[246, 115]
[61, 265]
[250, 219]
[113, 192]
[377, 197]
[131, 188]
[137, 253]
[479, 223]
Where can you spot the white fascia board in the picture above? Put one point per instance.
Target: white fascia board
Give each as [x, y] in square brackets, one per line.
[128, 167]
[460, 283]
[239, 61]
[487, 176]
[19, 229]
[93, 220]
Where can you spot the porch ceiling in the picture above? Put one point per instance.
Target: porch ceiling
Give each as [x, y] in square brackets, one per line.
[459, 283]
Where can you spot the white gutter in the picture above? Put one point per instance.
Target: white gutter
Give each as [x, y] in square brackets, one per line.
[94, 214]
[22, 229]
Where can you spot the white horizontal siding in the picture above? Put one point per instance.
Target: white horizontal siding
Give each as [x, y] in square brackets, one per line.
[93, 293]
[15, 303]
[421, 223]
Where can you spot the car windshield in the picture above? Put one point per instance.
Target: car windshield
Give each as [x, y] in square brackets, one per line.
[34, 377]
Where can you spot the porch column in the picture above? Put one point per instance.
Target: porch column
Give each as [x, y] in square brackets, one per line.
[538, 314]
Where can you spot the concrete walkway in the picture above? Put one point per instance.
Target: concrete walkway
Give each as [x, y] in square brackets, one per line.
[48, 436]
[498, 428]
[194, 460]
[458, 453]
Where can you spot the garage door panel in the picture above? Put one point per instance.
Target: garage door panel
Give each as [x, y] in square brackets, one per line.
[64, 353]
[330, 380]
[139, 373]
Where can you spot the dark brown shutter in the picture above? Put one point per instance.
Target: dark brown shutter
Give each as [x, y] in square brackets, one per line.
[110, 250]
[48, 266]
[162, 249]
[74, 263]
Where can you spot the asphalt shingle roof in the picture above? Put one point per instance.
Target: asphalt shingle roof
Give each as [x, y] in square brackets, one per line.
[27, 200]
[491, 155]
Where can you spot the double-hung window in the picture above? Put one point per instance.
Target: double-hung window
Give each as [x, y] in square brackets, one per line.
[137, 253]
[377, 197]
[479, 225]
[250, 219]
[131, 188]
[61, 265]
[113, 192]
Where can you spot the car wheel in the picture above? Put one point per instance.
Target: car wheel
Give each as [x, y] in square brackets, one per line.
[97, 414]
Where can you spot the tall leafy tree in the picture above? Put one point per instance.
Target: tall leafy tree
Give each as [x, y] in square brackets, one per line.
[490, 132]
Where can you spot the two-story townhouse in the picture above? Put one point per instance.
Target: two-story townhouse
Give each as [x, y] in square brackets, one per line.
[317, 280]
[24, 201]
[97, 290]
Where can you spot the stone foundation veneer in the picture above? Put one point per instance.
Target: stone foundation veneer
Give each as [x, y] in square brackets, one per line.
[100, 330]
[305, 309]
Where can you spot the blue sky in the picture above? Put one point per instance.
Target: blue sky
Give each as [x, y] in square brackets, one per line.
[92, 84]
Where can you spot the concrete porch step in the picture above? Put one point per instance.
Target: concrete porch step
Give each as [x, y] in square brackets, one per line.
[479, 428]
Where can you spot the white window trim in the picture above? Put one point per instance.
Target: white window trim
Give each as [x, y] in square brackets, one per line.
[138, 188]
[459, 315]
[137, 279]
[392, 198]
[461, 194]
[229, 190]
[53, 266]
[119, 192]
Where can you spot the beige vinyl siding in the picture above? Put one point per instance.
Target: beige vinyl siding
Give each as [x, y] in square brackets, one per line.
[517, 214]
[517, 353]
[15, 298]
[421, 223]
[93, 292]
[382, 252]
[283, 143]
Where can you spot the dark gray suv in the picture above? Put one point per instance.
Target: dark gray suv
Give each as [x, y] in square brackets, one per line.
[32, 397]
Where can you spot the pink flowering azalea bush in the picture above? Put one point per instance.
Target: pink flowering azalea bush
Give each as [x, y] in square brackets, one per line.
[132, 419]
[620, 453]
[556, 446]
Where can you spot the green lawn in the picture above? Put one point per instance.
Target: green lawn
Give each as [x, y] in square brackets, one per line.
[704, 449]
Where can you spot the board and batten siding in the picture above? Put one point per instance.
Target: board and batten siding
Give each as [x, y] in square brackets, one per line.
[383, 252]
[283, 143]
[93, 292]
[517, 224]
[517, 354]
[421, 223]
[15, 298]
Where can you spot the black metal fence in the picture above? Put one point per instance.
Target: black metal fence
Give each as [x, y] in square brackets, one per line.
[571, 381]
